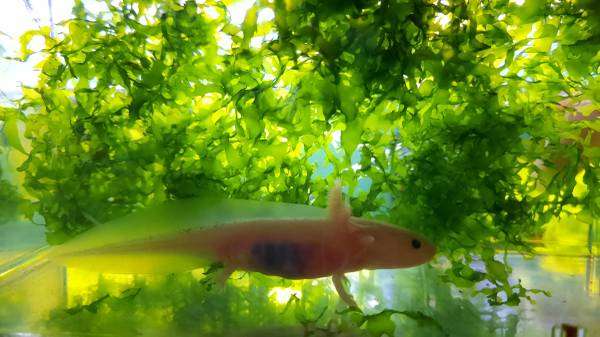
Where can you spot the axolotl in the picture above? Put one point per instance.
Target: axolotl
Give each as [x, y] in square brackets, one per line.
[287, 240]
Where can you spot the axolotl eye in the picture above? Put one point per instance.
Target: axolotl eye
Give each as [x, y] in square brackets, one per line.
[416, 244]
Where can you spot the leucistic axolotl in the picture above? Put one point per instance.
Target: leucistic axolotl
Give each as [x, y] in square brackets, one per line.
[288, 240]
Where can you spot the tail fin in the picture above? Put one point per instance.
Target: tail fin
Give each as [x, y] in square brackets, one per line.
[18, 268]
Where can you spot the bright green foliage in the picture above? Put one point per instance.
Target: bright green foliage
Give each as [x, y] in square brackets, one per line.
[9, 201]
[449, 110]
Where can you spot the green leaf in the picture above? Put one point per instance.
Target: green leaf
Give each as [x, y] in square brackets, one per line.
[497, 270]
[426, 88]
[231, 29]
[351, 137]
[249, 25]
[79, 33]
[381, 324]
[13, 135]
[580, 190]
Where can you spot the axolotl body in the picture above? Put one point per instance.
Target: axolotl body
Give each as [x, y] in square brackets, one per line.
[287, 240]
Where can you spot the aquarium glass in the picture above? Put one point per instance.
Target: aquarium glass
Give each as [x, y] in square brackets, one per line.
[468, 126]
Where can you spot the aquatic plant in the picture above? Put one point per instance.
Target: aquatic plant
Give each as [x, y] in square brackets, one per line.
[441, 116]
[9, 197]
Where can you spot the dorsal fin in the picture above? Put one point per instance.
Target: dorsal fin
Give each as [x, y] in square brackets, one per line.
[339, 213]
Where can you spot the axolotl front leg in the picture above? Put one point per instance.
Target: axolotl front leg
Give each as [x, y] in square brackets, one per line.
[340, 215]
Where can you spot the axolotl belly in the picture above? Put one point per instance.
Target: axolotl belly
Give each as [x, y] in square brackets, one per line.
[291, 241]
[294, 249]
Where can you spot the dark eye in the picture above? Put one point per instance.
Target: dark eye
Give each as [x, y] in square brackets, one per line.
[416, 244]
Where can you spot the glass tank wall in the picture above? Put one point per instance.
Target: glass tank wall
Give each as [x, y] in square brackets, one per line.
[56, 301]
[470, 124]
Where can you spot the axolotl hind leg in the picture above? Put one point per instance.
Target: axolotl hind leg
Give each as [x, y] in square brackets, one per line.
[223, 275]
[338, 282]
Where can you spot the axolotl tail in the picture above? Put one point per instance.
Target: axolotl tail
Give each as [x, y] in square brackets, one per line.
[181, 252]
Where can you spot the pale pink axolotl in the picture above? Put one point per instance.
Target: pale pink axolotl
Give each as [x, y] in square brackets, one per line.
[287, 240]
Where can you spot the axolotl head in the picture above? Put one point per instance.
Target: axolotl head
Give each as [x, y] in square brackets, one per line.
[384, 246]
